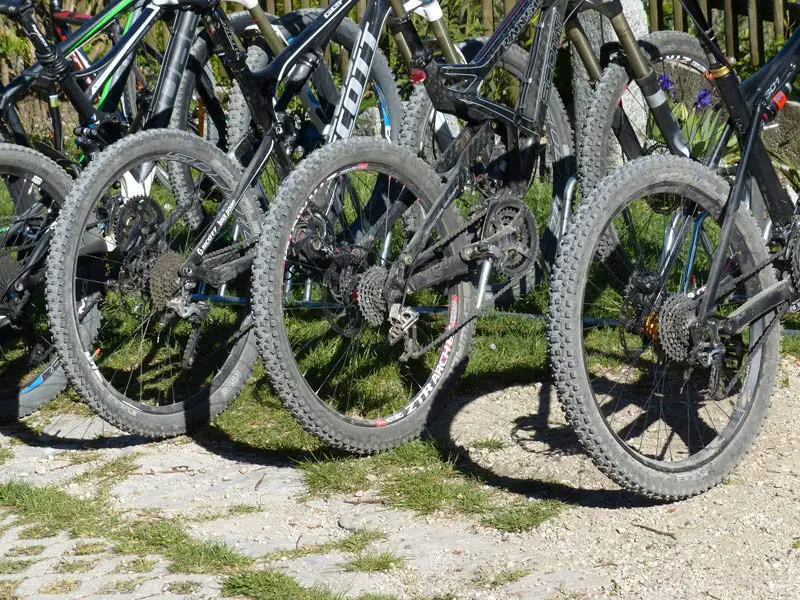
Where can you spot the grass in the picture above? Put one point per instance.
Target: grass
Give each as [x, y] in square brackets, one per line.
[86, 548]
[187, 555]
[123, 586]
[182, 587]
[26, 551]
[523, 517]
[139, 564]
[796, 544]
[6, 454]
[490, 443]
[10, 566]
[274, 585]
[63, 586]
[75, 566]
[356, 542]
[108, 474]
[8, 587]
[231, 511]
[55, 510]
[492, 580]
[372, 563]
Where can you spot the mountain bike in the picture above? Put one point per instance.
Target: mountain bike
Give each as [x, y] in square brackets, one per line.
[174, 346]
[393, 300]
[196, 107]
[665, 351]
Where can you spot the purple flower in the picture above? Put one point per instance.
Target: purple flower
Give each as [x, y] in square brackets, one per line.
[704, 99]
[665, 81]
[667, 85]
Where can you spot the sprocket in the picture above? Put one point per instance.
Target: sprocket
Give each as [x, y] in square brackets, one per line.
[165, 279]
[370, 295]
[674, 325]
[793, 252]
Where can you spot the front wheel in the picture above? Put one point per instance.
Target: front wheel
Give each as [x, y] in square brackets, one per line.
[665, 404]
[356, 358]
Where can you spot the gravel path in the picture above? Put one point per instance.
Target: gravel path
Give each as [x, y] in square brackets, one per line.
[733, 542]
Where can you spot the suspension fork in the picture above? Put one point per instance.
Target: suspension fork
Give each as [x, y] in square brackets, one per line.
[647, 80]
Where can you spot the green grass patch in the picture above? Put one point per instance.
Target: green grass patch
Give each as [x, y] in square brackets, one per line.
[335, 475]
[110, 473]
[6, 454]
[182, 587]
[49, 510]
[169, 539]
[8, 587]
[86, 548]
[374, 562]
[80, 457]
[37, 532]
[356, 542]
[63, 586]
[140, 564]
[790, 345]
[123, 586]
[524, 516]
[9, 566]
[231, 511]
[35, 550]
[75, 566]
[796, 543]
[491, 443]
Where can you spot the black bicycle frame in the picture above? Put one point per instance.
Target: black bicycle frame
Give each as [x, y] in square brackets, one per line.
[750, 105]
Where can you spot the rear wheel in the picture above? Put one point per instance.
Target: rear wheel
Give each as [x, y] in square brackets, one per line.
[353, 366]
[170, 351]
[664, 407]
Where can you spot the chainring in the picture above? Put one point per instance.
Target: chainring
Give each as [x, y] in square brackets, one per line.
[518, 250]
[138, 217]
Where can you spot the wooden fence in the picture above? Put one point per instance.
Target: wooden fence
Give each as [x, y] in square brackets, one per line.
[733, 19]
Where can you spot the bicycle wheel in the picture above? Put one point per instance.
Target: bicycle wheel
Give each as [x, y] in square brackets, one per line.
[381, 111]
[32, 189]
[171, 351]
[427, 133]
[663, 406]
[619, 126]
[331, 343]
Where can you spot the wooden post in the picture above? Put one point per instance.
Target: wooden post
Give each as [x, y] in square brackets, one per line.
[305, 3]
[488, 17]
[756, 45]
[287, 6]
[680, 22]
[731, 29]
[777, 19]
[656, 16]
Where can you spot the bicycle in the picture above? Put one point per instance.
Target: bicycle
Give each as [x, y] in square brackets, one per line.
[136, 238]
[388, 322]
[665, 351]
[101, 128]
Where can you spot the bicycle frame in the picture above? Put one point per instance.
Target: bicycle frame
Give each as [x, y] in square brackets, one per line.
[751, 105]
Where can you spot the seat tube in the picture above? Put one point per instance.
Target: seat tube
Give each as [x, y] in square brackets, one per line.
[180, 45]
